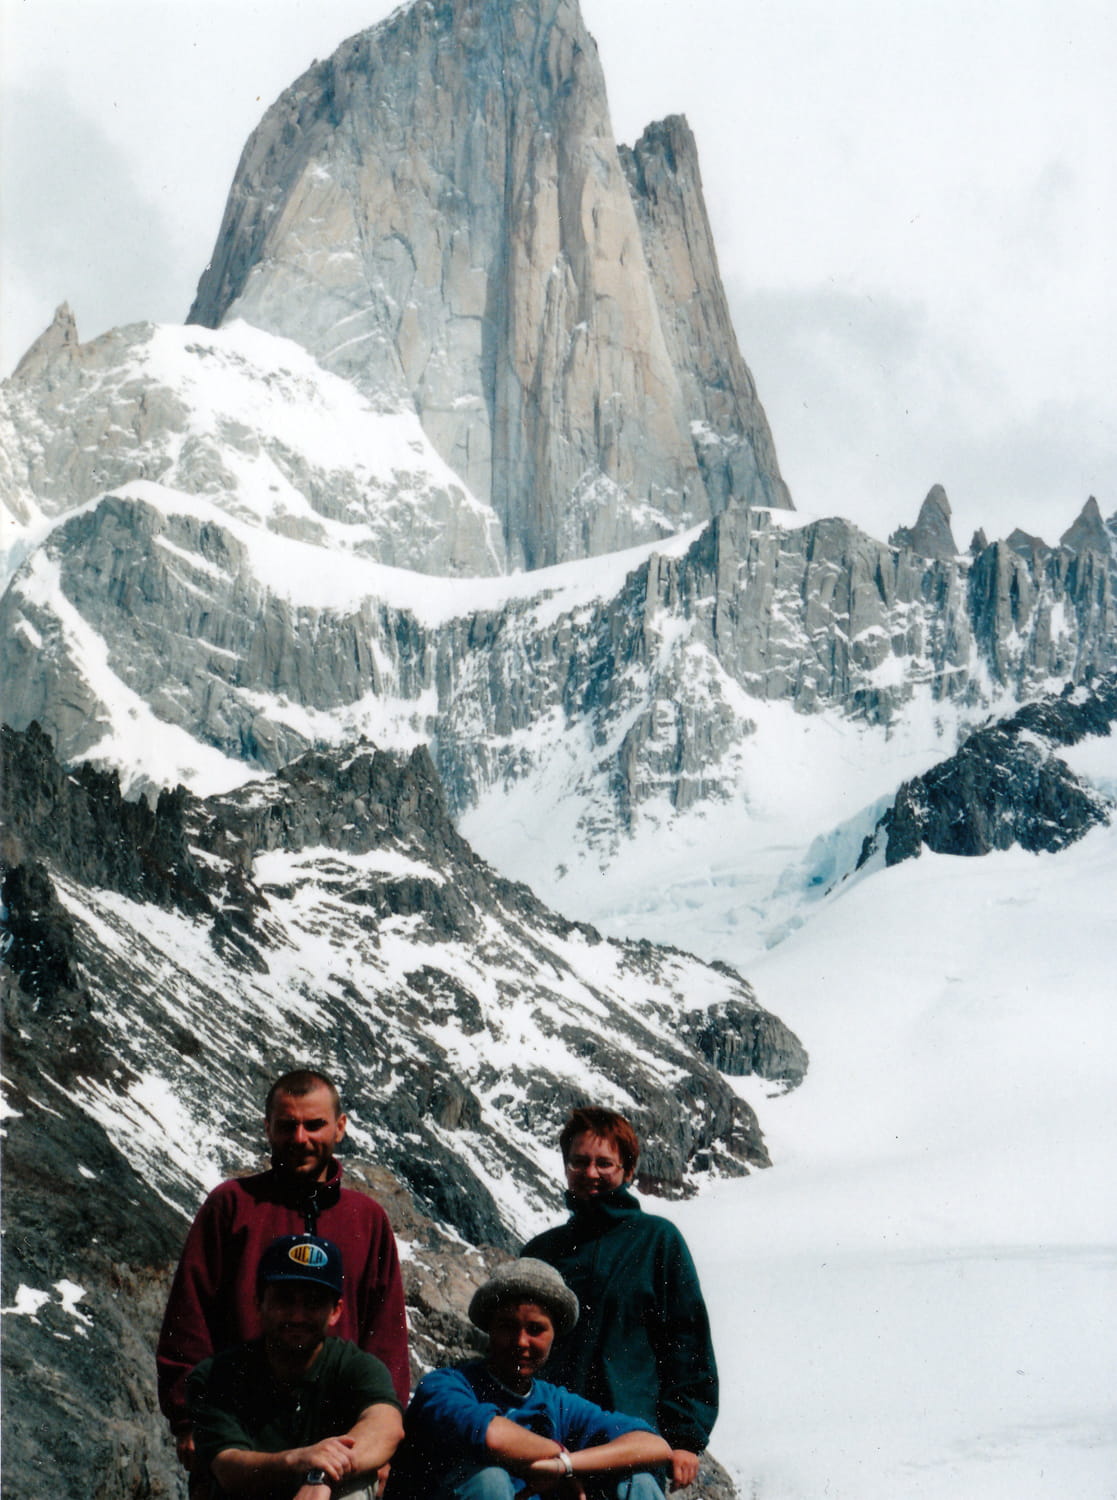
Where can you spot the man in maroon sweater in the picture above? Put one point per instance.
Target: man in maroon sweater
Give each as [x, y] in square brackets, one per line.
[212, 1303]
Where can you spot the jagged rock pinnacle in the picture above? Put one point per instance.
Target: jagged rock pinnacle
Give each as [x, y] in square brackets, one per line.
[1024, 544]
[60, 333]
[931, 535]
[1087, 533]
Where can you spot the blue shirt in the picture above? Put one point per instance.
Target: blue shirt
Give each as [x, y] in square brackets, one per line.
[450, 1414]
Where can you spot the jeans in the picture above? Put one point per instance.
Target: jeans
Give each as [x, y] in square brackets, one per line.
[493, 1483]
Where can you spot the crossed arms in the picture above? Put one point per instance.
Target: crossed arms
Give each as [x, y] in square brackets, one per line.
[537, 1459]
[366, 1447]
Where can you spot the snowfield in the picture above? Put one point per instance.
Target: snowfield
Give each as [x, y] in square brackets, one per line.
[919, 1300]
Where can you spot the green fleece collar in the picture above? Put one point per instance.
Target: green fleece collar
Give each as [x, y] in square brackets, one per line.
[606, 1209]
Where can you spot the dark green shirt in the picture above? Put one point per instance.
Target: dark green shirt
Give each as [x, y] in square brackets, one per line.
[235, 1402]
[642, 1341]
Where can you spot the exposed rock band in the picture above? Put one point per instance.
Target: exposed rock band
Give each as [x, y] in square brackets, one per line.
[283, 1361]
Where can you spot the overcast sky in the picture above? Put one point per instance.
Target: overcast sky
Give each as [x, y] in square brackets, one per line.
[915, 205]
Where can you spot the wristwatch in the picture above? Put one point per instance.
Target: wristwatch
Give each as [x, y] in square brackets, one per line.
[316, 1476]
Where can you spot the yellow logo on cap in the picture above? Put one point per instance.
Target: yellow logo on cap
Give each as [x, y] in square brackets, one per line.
[308, 1255]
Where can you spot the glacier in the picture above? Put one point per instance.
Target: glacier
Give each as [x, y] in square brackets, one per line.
[920, 1298]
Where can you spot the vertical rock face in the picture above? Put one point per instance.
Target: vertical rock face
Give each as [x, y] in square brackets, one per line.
[439, 213]
[732, 437]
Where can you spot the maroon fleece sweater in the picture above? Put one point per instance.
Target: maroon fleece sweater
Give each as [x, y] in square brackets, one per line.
[213, 1296]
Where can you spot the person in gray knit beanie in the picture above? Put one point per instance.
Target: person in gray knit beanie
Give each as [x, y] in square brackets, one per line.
[493, 1429]
[525, 1280]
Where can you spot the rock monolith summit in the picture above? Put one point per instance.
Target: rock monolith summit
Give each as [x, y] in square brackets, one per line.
[440, 213]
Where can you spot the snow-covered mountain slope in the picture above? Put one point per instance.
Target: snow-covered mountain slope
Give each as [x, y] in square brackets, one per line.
[656, 688]
[339, 897]
[828, 800]
[920, 1299]
[958, 1011]
[245, 418]
[804, 794]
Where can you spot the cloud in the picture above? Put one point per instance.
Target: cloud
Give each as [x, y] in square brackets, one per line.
[872, 399]
[87, 234]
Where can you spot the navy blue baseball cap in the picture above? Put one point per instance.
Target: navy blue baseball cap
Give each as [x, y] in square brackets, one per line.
[301, 1257]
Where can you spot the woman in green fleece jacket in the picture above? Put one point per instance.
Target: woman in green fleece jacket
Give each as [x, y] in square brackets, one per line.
[642, 1344]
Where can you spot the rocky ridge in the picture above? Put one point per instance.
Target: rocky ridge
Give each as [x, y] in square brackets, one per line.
[163, 962]
[639, 678]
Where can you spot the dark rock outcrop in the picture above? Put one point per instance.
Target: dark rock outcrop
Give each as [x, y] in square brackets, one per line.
[734, 1038]
[80, 822]
[1005, 785]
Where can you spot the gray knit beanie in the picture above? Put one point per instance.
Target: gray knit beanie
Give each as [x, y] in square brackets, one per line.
[525, 1280]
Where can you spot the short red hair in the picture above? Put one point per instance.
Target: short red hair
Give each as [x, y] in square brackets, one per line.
[607, 1124]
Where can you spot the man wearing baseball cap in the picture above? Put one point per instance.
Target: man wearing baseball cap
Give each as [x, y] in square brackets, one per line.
[294, 1414]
